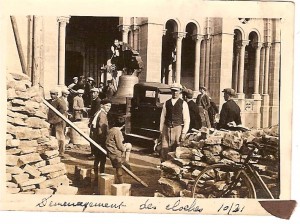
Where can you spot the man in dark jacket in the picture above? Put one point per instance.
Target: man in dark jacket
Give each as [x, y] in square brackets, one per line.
[230, 110]
[195, 119]
[57, 124]
[95, 107]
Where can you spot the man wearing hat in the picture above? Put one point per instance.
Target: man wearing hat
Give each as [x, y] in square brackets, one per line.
[195, 119]
[87, 91]
[174, 121]
[78, 106]
[203, 102]
[57, 124]
[95, 107]
[230, 110]
[99, 129]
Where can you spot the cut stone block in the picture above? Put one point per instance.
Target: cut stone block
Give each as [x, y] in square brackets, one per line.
[10, 129]
[8, 177]
[52, 168]
[19, 76]
[27, 188]
[169, 187]
[14, 170]
[214, 149]
[54, 182]
[66, 190]
[170, 167]
[12, 143]
[26, 143]
[196, 173]
[33, 181]
[210, 157]
[13, 151]
[213, 140]
[53, 161]
[183, 153]
[104, 183]
[29, 158]
[12, 190]
[20, 178]
[50, 154]
[181, 162]
[40, 164]
[44, 191]
[232, 155]
[27, 150]
[186, 193]
[12, 160]
[18, 102]
[199, 164]
[11, 184]
[27, 133]
[35, 122]
[9, 136]
[56, 174]
[31, 171]
[121, 189]
[233, 140]
[11, 93]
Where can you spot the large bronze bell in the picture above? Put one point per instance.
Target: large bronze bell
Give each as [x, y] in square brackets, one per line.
[125, 88]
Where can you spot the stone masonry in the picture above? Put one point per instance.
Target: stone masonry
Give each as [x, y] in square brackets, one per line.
[33, 165]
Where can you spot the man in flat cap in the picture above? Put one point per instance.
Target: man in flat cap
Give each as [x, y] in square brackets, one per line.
[230, 111]
[78, 106]
[195, 119]
[95, 107]
[99, 129]
[57, 124]
[87, 96]
[174, 121]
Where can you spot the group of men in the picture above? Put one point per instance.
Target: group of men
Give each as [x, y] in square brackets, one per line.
[178, 117]
[109, 139]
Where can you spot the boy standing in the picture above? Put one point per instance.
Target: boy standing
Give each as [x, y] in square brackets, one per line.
[116, 150]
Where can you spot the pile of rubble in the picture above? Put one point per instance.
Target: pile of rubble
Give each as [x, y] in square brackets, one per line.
[33, 165]
[208, 147]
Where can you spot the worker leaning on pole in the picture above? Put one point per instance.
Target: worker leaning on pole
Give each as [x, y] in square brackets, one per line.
[57, 125]
[174, 121]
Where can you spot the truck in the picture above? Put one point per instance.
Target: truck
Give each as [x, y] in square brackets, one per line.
[141, 112]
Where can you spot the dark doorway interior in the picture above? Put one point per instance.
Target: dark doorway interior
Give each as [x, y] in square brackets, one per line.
[74, 65]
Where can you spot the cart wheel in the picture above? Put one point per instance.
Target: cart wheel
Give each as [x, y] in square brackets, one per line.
[223, 181]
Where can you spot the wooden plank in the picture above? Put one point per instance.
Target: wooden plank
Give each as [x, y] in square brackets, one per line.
[92, 141]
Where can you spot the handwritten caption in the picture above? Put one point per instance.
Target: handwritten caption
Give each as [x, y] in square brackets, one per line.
[177, 205]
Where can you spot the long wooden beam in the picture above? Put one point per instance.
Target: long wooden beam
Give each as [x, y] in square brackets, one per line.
[18, 43]
[91, 141]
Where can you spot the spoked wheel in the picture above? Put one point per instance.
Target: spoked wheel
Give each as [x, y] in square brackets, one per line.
[223, 181]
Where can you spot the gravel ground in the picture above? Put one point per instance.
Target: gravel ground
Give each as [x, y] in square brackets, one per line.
[144, 164]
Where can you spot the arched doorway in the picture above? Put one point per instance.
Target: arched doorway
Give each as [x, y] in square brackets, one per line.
[88, 42]
[249, 69]
[188, 56]
[168, 55]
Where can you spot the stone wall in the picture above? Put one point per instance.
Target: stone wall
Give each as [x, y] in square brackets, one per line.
[33, 165]
[219, 147]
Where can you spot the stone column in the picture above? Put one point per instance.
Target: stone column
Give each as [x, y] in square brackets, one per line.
[135, 31]
[198, 39]
[236, 68]
[257, 66]
[62, 20]
[240, 89]
[242, 47]
[207, 61]
[125, 29]
[179, 36]
[265, 96]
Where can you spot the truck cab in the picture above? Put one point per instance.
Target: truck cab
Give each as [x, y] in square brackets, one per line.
[142, 119]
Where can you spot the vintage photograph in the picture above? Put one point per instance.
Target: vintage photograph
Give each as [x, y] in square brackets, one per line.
[153, 107]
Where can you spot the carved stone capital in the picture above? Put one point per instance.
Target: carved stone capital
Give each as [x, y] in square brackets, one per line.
[267, 44]
[242, 43]
[196, 37]
[63, 19]
[124, 28]
[179, 35]
[257, 45]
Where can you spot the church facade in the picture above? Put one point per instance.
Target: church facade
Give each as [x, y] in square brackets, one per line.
[239, 53]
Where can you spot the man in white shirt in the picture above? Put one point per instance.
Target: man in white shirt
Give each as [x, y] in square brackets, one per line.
[174, 121]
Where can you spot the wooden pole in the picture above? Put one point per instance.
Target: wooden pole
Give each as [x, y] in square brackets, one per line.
[18, 43]
[92, 141]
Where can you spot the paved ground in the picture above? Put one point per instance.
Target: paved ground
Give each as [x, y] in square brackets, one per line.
[143, 162]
